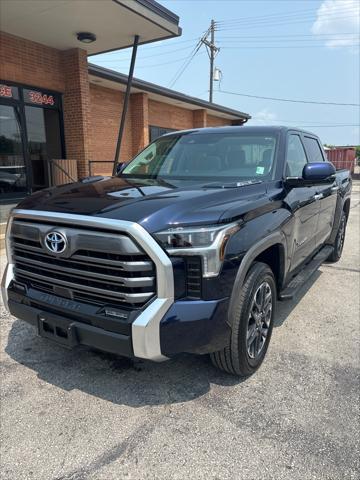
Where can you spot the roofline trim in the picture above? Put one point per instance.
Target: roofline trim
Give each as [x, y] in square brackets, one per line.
[160, 10]
[117, 77]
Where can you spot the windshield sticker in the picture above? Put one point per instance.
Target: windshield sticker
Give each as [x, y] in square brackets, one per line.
[260, 170]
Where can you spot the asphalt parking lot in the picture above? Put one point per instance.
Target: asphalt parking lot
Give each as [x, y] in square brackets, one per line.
[76, 415]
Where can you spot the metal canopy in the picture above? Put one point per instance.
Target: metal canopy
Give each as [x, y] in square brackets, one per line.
[114, 22]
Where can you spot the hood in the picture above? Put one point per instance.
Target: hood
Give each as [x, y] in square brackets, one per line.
[155, 204]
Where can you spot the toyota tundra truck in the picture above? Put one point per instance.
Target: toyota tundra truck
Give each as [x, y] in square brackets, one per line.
[188, 248]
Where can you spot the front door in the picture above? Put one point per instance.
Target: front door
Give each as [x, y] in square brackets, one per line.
[303, 204]
[43, 143]
[326, 193]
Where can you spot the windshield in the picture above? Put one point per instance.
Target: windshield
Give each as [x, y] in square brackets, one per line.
[230, 156]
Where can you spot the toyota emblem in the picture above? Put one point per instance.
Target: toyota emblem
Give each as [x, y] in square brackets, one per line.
[55, 242]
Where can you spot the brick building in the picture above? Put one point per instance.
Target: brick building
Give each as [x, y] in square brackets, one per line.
[55, 108]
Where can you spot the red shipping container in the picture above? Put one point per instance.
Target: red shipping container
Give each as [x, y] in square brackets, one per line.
[342, 158]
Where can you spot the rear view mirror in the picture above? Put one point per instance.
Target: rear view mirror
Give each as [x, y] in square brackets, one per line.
[318, 172]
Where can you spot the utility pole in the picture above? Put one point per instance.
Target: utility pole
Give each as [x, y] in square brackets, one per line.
[212, 51]
[212, 57]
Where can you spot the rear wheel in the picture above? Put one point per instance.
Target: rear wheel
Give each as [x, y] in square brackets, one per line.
[339, 240]
[252, 324]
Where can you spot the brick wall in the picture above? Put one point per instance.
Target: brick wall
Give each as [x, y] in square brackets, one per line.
[139, 111]
[169, 116]
[199, 118]
[76, 102]
[213, 121]
[39, 66]
[106, 107]
[30, 63]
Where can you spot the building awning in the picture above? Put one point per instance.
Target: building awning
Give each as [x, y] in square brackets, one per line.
[118, 81]
[113, 22]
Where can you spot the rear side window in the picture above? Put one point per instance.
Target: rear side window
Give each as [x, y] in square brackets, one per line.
[313, 149]
[295, 157]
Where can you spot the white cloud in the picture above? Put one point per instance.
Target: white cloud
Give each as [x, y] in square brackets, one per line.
[264, 117]
[335, 18]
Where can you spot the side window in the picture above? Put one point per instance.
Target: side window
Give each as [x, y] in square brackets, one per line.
[313, 149]
[295, 157]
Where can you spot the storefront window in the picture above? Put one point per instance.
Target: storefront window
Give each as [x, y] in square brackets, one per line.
[30, 137]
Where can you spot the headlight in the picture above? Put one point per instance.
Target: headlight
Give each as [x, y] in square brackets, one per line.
[208, 242]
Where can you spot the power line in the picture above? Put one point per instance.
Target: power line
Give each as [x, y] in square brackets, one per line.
[187, 62]
[149, 56]
[276, 15]
[169, 43]
[304, 41]
[290, 100]
[305, 123]
[231, 37]
[285, 46]
[274, 24]
[156, 64]
[301, 122]
[286, 16]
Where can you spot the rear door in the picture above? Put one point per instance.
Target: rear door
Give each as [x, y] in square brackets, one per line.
[326, 193]
[302, 202]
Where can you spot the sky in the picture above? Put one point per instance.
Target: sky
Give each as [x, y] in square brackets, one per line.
[304, 50]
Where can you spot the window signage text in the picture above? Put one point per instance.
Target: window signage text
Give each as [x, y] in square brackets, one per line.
[39, 98]
[6, 91]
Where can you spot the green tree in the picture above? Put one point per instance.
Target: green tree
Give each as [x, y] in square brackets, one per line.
[357, 151]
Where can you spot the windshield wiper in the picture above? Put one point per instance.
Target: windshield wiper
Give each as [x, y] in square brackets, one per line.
[244, 183]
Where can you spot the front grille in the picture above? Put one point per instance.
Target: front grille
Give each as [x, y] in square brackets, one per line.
[100, 267]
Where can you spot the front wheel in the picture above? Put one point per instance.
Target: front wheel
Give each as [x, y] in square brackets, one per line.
[251, 324]
[339, 240]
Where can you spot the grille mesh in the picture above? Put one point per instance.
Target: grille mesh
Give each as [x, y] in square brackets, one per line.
[89, 274]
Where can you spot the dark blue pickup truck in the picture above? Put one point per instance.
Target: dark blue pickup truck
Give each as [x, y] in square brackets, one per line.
[187, 249]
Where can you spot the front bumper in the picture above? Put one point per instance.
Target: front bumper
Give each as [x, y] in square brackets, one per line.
[161, 329]
[187, 326]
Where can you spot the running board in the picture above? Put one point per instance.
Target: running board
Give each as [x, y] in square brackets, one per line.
[303, 276]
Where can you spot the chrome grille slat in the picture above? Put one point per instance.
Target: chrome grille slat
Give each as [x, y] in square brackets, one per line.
[135, 266]
[127, 282]
[128, 297]
[111, 267]
[128, 266]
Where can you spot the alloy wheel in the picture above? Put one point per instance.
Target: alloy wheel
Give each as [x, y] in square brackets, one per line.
[259, 320]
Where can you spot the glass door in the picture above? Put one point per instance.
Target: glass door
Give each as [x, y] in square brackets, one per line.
[43, 143]
[12, 163]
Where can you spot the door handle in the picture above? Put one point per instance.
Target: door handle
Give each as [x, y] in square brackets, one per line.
[318, 196]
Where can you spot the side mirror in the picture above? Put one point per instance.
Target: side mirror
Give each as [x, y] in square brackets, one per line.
[313, 174]
[318, 172]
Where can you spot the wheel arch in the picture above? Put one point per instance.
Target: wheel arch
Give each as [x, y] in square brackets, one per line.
[263, 251]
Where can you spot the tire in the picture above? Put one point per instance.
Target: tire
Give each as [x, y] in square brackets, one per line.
[339, 240]
[239, 356]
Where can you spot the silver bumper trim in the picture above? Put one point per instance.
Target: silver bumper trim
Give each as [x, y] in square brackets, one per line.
[146, 328]
[5, 282]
